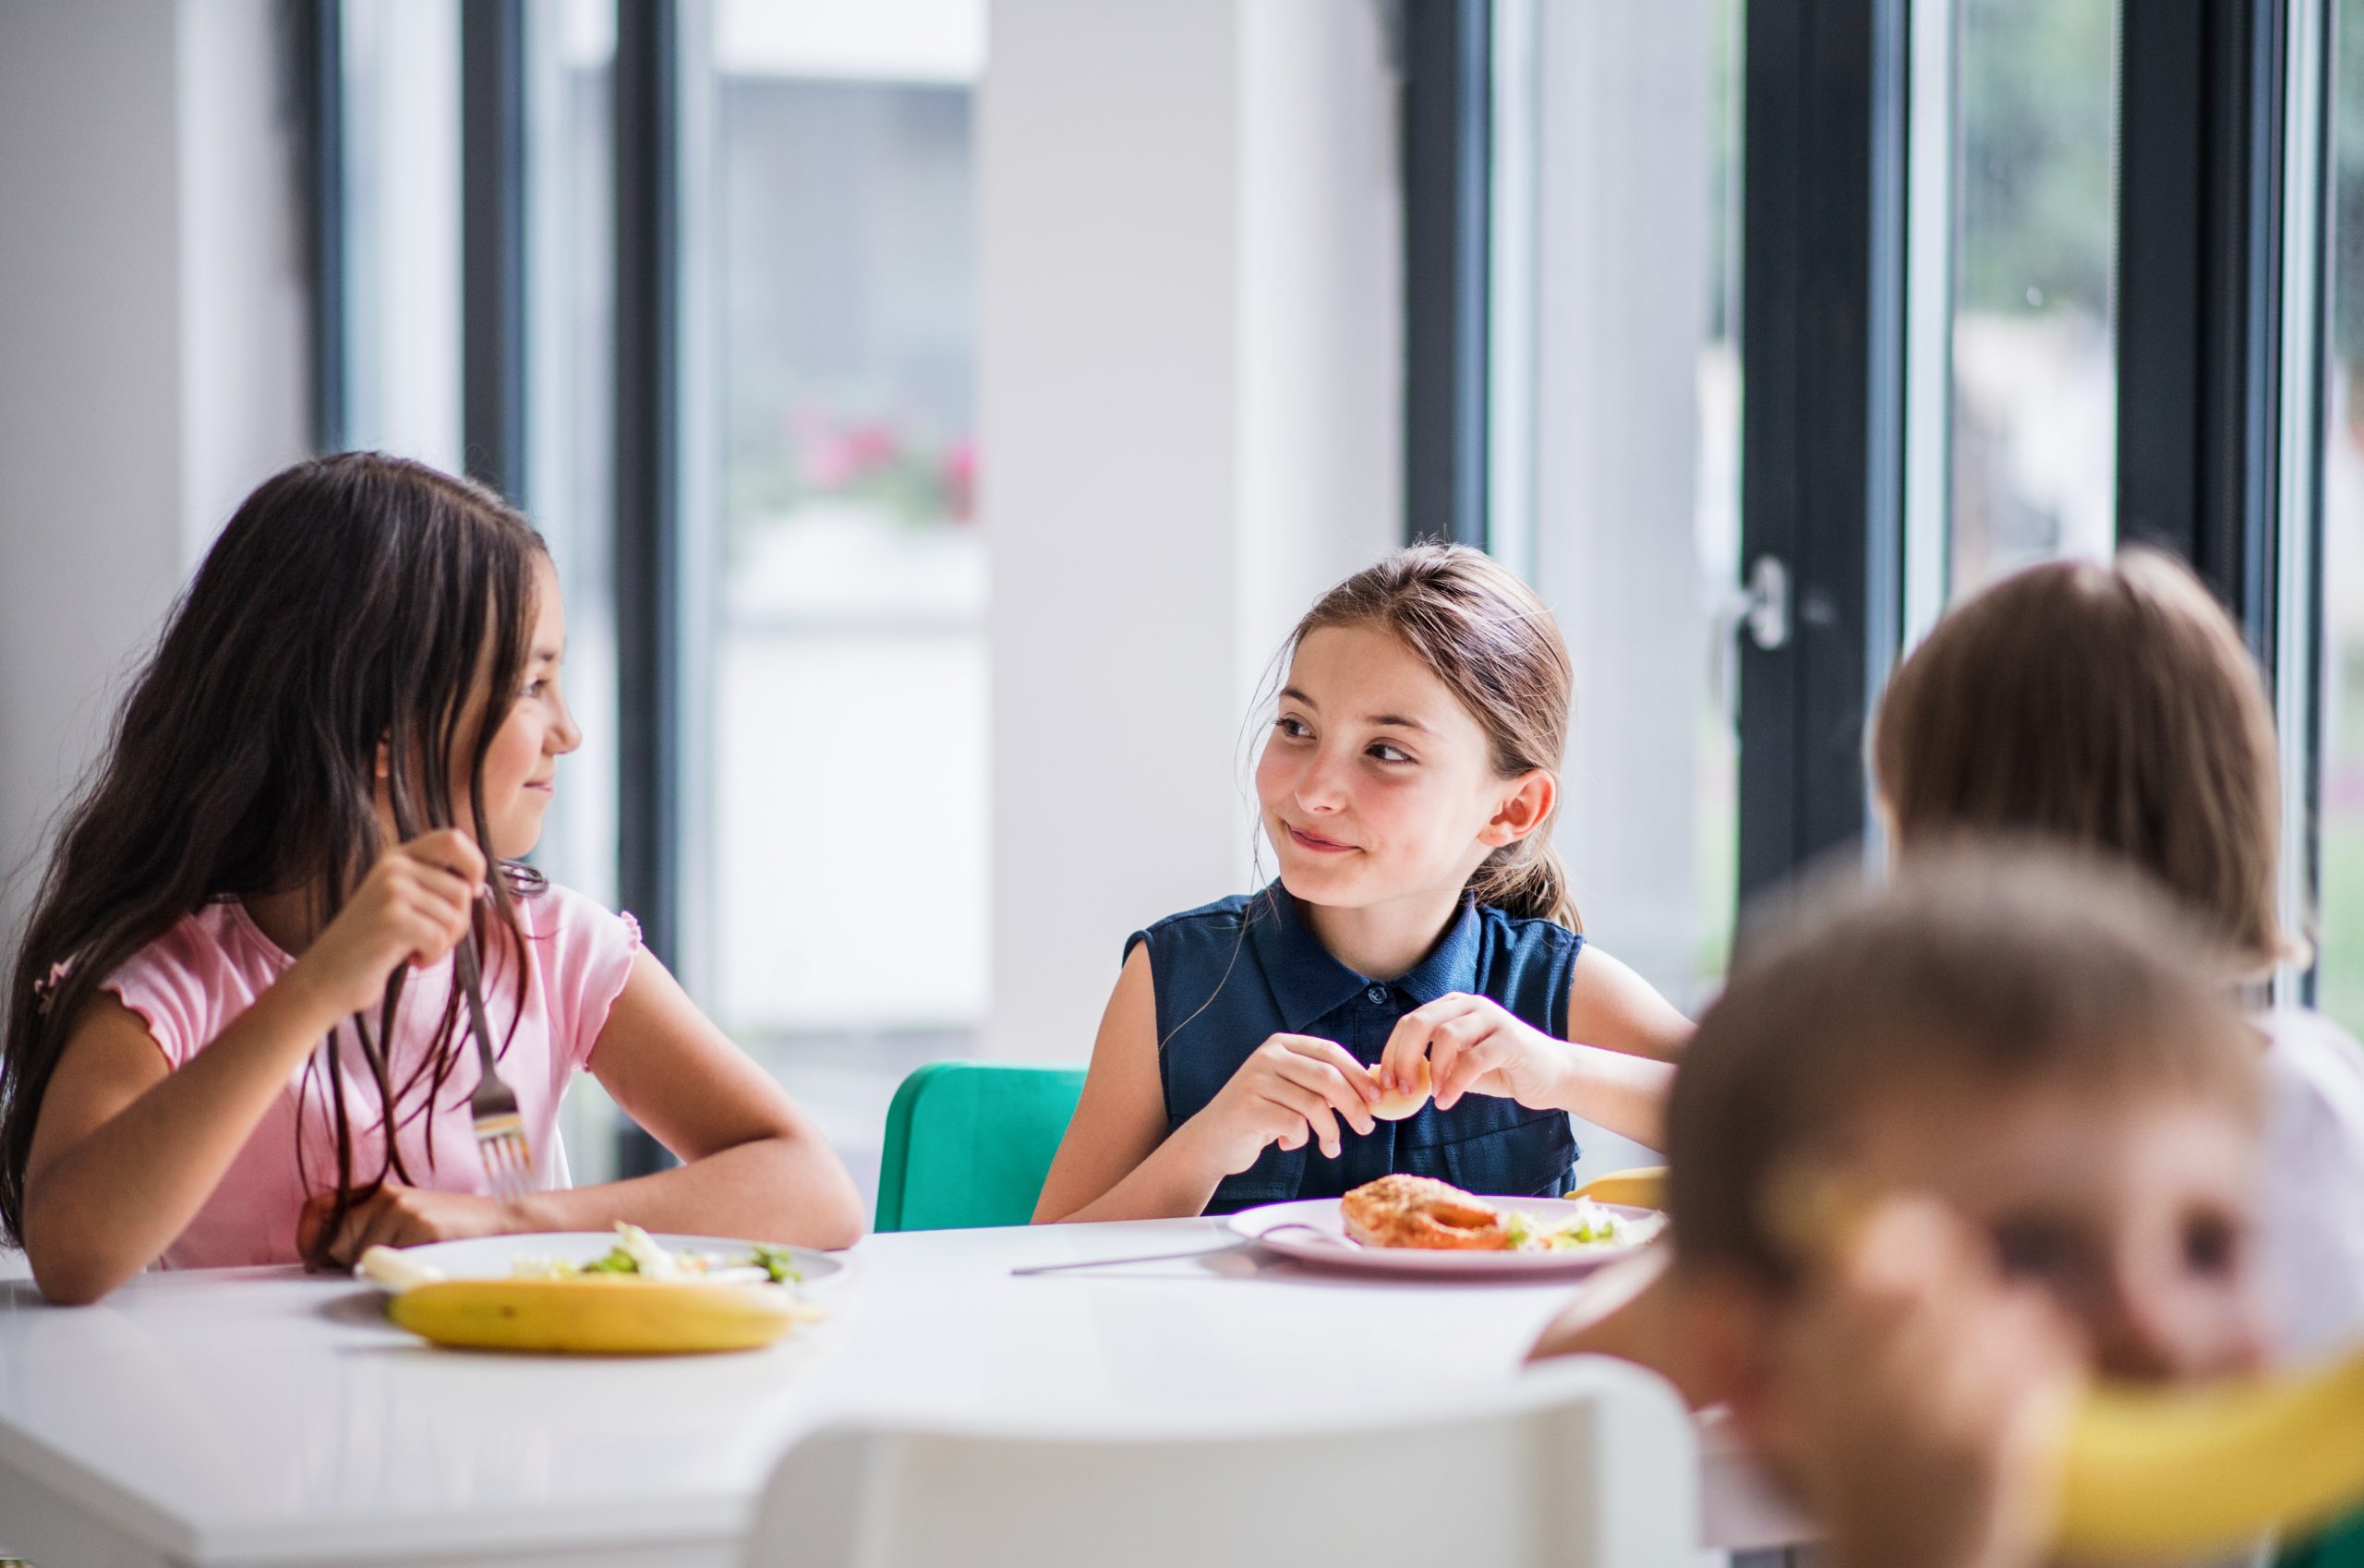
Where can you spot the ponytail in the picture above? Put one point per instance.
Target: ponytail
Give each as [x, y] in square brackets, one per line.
[1529, 880]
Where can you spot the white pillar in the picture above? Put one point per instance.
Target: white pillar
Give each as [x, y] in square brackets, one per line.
[1189, 411]
[151, 350]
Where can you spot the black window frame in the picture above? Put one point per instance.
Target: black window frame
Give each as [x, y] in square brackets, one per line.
[2201, 280]
[2200, 284]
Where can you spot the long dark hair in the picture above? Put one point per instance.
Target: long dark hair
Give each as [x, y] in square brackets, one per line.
[355, 603]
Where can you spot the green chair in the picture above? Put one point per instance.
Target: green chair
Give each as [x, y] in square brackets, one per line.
[2339, 1546]
[968, 1143]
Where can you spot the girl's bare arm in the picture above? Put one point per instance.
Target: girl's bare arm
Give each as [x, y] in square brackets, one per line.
[754, 1164]
[1117, 1162]
[128, 1151]
[1611, 1007]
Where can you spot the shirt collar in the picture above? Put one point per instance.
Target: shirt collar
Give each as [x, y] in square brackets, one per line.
[1307, 982]
[1451, 964]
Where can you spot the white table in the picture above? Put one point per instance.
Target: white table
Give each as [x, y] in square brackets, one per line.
[257, 1417]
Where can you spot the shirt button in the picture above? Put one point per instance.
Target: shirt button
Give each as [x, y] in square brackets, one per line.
[1378, 995]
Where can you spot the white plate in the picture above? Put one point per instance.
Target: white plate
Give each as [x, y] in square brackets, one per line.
[1310, 1231]
[495, 1257]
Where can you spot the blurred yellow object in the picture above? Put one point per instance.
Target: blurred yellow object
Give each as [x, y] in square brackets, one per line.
[607, 1315]
[1644, 1187]
[2166, 1472]
[2182, 1472]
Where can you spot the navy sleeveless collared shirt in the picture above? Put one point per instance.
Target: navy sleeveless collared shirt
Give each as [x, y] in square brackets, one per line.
[1234, 974]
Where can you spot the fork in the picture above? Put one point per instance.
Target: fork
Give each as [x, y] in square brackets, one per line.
[492, 1109]
[1240, 1246]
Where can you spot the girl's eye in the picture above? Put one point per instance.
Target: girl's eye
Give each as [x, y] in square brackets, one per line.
[1386, 752]
[1294, 729]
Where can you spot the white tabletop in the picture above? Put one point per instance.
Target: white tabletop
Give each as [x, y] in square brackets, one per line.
[260, 1416]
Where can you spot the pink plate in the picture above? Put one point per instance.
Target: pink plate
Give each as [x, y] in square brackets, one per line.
[1310, 1231]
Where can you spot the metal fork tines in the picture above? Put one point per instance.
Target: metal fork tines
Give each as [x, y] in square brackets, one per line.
[501, 1130]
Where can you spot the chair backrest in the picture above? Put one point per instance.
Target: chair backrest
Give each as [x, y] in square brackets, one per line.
[1587, 1464]
[968, 1143]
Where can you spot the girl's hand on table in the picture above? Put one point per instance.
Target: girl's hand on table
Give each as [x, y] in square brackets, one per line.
[1294, 1088]
[413, 907]
[1916, 1396]
[1476, 1047]
[406, 1216]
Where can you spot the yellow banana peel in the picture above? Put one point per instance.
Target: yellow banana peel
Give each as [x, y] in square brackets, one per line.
[2151, 1473]
[611, 1315]
[1644, 1187]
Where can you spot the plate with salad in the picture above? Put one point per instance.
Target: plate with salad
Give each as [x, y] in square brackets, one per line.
[627, 1252]
[1410, 1224]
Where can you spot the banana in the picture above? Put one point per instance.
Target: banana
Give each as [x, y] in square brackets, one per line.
[1644, 1187]
[612, 1315]
[2149, 1473]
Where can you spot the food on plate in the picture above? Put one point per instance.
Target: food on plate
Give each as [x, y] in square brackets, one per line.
[1432, 1215]
[1589, 1225]
[1410, 1210]
[638, 1298]
[1397, 1103]
[393, 1269]
[613, 1314]
[635, 1255]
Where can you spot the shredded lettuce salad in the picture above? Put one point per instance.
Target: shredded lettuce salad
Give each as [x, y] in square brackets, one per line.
[1588, 1226]
[635, 1253]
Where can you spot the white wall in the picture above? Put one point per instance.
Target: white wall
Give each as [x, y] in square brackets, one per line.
[151, 328]
[1189, 390]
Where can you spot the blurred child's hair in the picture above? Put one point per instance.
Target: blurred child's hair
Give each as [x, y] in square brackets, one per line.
[1969, 978]
[350, 611]
[1484, 633]
[2115, 706]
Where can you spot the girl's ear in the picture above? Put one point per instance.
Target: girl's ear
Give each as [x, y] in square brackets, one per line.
[383, 771]
[1524, 809]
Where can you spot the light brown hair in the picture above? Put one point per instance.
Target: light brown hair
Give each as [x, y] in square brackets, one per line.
[1995, 972]
[2112, 706]
[1482, 632]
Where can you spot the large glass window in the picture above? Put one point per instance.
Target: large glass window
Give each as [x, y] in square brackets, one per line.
[2340, 979]
[2033, 456]
[1634, 534]
[570, 449]
[401, 94]
[845, 769]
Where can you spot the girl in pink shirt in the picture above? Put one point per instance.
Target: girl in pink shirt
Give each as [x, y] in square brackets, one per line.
[233, 1033]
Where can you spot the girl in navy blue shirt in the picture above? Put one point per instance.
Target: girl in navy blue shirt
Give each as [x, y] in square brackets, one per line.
[1404, 997]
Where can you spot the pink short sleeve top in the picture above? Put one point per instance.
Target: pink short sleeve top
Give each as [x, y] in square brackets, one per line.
[192, 983]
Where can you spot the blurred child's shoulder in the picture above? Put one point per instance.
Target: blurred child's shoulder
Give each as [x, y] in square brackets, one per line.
[2311, 1057]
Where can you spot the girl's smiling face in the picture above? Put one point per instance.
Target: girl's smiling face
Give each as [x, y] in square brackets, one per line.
[1376, 783]
[520, 767]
